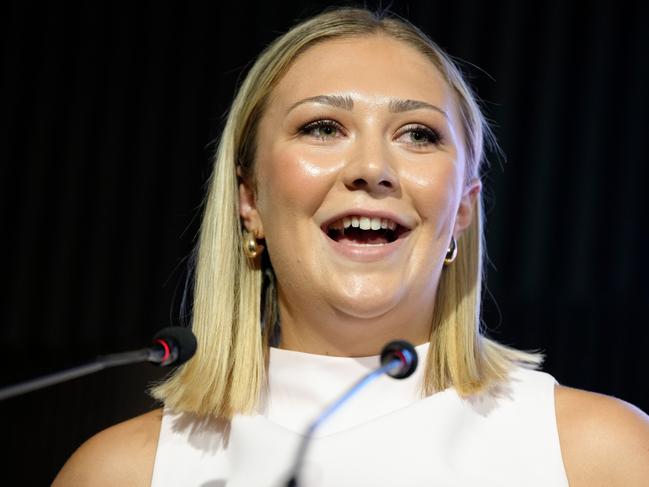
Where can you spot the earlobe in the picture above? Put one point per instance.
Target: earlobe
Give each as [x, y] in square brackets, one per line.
[465, 212]
[248, 211]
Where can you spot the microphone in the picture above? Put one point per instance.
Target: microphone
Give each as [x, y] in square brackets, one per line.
[398, 360]
[404, 354]
[174, 345]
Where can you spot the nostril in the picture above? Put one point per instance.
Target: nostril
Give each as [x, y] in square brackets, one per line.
[364, 184]
[359, 183]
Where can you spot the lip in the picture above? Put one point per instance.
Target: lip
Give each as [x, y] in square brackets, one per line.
[366, 253]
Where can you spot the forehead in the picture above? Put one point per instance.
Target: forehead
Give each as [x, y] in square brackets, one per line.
[376, 66]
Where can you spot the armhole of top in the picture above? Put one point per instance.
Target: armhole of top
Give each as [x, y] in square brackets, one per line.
[555, 429]
[159, 451]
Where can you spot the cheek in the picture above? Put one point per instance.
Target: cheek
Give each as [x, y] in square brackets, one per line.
[435, 192]
[294, 180]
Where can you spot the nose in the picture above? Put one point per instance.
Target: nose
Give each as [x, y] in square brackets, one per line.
[371, 169]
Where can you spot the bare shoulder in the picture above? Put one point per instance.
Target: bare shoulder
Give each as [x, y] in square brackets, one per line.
[120, 455]
[604, 440]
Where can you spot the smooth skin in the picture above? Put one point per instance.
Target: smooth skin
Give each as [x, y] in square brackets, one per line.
[318, 158]
[372, 157]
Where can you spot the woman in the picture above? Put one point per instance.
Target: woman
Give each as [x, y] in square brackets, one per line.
[344, 212]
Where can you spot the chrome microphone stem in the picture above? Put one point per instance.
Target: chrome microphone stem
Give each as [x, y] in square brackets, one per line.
[100, 363]
[173, 345]
[331, 409]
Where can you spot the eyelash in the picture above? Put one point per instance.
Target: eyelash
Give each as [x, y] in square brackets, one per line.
[306, 129]
[433, 136]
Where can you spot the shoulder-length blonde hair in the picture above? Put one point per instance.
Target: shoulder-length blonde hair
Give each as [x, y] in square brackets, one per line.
[234, 308]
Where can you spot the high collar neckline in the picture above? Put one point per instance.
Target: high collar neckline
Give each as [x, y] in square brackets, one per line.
[280, 357]
[302, 385]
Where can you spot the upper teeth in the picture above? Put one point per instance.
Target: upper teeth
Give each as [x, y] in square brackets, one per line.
[364, 223]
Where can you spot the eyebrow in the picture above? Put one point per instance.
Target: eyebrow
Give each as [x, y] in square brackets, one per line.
[395, 105]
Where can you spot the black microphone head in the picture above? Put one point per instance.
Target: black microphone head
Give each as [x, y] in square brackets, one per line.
[180, 339]
[403, 351]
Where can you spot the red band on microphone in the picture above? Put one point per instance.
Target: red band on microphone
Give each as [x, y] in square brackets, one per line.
[165, 345]
[399, 354]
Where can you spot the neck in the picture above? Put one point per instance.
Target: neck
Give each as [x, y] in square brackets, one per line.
[332, 332]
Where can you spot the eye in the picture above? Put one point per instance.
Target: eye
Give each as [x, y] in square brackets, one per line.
[321, 129]
[420, 135]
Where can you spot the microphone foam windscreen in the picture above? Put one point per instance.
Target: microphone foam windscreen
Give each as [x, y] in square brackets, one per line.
[403, 351]
[182, 338]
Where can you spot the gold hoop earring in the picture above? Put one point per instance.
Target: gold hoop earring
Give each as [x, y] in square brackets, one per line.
[451, 253]
[250, 246]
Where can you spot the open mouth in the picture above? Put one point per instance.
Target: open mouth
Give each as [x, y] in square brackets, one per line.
[363, 230]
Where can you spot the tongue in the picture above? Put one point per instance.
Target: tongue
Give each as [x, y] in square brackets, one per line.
[363, 237]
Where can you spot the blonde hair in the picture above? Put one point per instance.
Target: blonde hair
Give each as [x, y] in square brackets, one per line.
[229, 370]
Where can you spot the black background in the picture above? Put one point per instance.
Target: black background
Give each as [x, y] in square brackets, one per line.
[107, 119]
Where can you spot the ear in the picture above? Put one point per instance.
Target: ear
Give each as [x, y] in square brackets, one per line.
[467, 205]
[248, 208]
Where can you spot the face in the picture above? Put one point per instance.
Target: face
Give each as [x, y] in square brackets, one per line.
[359, 187]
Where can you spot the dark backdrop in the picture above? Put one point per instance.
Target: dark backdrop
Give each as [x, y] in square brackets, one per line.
[107, 118]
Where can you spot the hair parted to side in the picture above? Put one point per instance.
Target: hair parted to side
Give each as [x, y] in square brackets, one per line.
[228, 372]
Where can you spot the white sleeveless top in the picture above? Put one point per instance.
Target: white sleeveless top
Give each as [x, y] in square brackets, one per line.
[387, 435]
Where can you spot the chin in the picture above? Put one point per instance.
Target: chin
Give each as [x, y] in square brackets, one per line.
[367, 305]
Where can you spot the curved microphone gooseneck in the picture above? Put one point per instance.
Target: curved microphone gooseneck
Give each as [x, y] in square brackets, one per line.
[398, 360]
[174, 345]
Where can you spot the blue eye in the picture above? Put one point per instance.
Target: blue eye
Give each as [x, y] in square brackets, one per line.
[321, 129]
